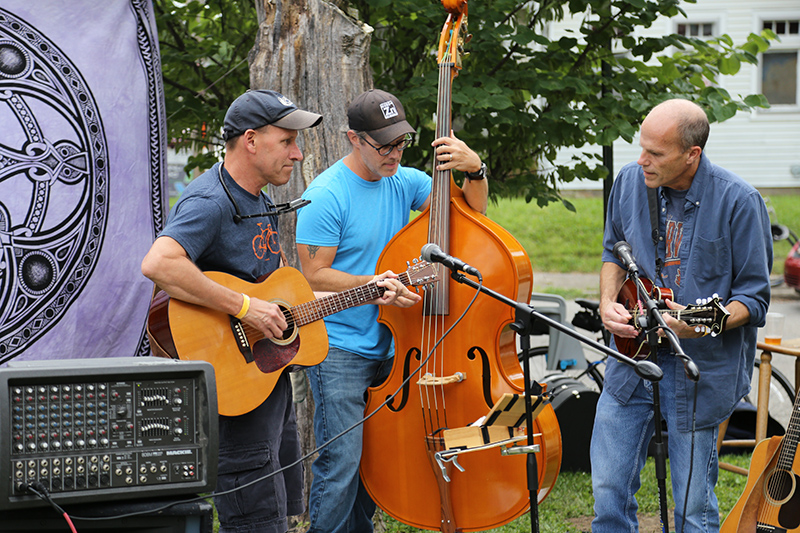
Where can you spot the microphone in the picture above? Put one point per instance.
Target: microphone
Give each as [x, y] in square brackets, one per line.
[691, 369]
[649, 370]
[433, 254]
[623, 252]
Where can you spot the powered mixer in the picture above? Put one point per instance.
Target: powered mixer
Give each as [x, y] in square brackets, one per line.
[101, 429]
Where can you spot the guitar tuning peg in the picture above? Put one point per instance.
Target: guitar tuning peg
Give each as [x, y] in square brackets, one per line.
[715, 295]
[698, 302]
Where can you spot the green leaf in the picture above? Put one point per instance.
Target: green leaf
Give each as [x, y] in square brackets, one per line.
[729, 65]
[522, 96]
[756, 100]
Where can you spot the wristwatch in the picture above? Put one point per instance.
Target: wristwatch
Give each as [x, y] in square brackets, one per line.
[477, 176]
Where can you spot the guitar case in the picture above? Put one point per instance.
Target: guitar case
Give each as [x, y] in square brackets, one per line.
[575, 405]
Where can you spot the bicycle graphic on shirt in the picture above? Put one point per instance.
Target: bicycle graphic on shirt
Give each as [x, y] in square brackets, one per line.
[264, 241]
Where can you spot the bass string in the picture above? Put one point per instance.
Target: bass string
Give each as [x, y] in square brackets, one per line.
[432, 396]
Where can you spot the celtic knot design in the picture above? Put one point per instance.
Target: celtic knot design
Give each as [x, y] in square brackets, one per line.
[53, 184]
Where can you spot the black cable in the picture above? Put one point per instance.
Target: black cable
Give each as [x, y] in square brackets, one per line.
[316, 450]
[41, 491]
[691, 458]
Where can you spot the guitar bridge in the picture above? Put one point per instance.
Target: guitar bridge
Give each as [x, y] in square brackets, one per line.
[240, 337]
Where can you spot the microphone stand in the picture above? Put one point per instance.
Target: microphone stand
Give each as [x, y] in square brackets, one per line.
[524, 315]
[654, 321]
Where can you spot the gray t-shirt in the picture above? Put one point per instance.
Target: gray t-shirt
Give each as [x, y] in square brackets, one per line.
[202, 222]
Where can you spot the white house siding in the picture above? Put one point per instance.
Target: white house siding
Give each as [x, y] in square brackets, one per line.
[763, 146]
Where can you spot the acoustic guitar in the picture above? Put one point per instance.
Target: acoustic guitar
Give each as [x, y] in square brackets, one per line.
[247, 366]
[709, 313]
[771, 498]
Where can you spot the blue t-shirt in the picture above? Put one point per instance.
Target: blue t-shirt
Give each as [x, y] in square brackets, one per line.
[359, 218]
[202, 223]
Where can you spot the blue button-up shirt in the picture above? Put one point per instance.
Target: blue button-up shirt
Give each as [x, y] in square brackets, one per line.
[726, 250]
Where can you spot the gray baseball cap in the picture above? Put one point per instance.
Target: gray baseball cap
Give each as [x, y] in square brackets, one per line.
[380, 115]
[257, 108]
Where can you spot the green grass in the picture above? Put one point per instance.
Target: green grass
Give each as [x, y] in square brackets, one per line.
[559, 240]
[556, 239]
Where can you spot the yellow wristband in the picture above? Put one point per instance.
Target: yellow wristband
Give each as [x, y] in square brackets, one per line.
[245, 306]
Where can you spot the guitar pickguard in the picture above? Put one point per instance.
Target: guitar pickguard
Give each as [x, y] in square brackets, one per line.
[789, 515]
[271, 357]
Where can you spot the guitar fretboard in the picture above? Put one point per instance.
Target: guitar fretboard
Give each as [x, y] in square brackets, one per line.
[791, 439]
[308, 312]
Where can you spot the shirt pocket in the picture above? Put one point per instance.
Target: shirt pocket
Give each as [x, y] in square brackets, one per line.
[713, 261]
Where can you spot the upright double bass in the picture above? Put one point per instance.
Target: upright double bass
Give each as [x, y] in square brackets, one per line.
[466, 374]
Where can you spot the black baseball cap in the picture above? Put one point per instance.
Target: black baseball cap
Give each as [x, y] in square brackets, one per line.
[257, 108]
[380, 115]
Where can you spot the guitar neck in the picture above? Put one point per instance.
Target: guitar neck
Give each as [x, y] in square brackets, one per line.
[678, 314]
[790, 439]
[314, 310]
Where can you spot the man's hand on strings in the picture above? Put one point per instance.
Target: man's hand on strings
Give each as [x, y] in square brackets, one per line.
[453, 153]
[681, 328]
[266, 317]
[616, 320]
[396, 293]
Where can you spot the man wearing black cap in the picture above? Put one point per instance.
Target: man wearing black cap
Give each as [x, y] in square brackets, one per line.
[358, 205]
[216, 225]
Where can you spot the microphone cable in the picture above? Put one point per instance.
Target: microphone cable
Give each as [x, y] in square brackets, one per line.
[691, 458]
[41, 491]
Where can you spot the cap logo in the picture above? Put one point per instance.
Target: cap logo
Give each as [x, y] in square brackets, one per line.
[285, 101]
[388, 109]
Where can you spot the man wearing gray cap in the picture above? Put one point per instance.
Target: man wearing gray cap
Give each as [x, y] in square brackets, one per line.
[215, 226]
[358, 205]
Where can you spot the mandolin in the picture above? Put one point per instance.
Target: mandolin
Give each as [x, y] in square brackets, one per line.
[247, 366]
[710, 314]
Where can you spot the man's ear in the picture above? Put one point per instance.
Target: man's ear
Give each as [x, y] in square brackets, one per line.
[249, 140]
[352, 137]
[693, 155]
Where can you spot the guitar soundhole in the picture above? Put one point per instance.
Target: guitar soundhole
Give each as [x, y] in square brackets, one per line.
[288, 333]
[780, 486]
[291, 331]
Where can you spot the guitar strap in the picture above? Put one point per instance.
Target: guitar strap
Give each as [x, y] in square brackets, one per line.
[652, 200]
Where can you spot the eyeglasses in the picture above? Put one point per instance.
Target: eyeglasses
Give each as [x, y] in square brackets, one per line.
[386, 149]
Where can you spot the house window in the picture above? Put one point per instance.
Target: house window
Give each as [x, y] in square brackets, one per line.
[696, 29]
[779, 75]
[783, 27]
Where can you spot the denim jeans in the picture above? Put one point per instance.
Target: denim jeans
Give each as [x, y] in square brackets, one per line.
[619, 448]
[338, 501]
[253, 446]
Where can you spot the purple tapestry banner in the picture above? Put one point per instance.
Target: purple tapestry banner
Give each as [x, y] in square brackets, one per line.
[82, 176]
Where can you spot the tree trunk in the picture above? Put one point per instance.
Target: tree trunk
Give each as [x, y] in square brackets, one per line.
[317, 56]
